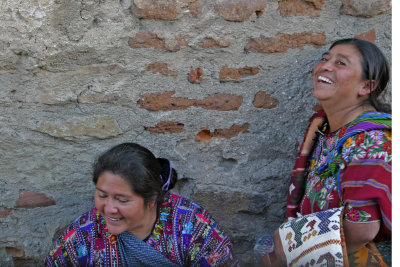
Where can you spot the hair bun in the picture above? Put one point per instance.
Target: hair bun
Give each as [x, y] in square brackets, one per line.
[168, 174]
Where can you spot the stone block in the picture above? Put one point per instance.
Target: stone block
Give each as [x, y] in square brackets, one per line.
[96, 126]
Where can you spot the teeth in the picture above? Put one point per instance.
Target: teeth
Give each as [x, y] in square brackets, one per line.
[321, 78]
[113, 219]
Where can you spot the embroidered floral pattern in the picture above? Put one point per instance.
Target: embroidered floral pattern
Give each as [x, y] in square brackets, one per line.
[354, 215]
[327, 161]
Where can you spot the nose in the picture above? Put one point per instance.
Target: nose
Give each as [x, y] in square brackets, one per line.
[326, 65]
[109, 206]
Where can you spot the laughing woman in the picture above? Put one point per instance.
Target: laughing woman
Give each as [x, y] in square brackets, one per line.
[339, 201]
[136, 221]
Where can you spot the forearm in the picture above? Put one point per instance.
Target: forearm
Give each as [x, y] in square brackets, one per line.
[359, 234]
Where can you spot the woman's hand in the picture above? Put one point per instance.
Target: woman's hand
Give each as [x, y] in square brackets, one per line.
[279, 258]
[359, 234]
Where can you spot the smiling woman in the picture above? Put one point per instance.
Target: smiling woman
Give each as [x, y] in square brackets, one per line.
[136, 221]
[339, 200]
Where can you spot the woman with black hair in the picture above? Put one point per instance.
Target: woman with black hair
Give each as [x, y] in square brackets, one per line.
[339, 200]
[136, 221]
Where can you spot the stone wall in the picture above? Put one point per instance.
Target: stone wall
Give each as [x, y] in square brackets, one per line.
[222, 88]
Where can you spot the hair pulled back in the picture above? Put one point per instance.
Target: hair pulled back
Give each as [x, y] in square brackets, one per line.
[148, 176]
[375, 68]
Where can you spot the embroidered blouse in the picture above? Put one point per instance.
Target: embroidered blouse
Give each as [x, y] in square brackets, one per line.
[185, 233]
[360, 179]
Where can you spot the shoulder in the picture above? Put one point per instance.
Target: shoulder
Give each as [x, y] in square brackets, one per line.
[185, 202]
[61, 252]
[372, 144]
[85, 222]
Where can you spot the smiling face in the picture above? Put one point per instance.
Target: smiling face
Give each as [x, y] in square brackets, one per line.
[338, 78]
[123, 210]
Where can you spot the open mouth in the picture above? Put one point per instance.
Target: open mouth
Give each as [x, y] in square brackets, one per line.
[324, 80]
[113, 219]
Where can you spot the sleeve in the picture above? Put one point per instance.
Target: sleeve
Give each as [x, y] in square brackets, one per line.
[209, 245]
[298, 175]
[366, 180]
[59, 255]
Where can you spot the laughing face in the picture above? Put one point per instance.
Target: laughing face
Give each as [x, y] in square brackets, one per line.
[123, 210]
[338, 78]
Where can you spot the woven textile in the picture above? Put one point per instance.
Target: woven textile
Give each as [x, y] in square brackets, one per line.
[313, 240]
[350, 167]
[185, 234]
[135, 252]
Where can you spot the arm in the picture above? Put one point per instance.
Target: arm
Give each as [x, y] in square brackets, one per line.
[359, 234]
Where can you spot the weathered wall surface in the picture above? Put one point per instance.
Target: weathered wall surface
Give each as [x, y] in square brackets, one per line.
[222, 88]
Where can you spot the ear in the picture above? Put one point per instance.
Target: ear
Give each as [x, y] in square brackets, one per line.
[151, 204]
[367, 88]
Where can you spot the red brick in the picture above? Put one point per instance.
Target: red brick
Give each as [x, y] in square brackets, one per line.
[235, 74]
[15, 252]
[239, 10]
[204, 135]
[196, 8]
[369, 36]
[300, 7]
[365, 8]
[147, 40]
[166, 126]
[263, 100]
[152, 40]
[221, 102]
[283, 42]
[195, 75]
[30, 200]
[182, 40]
[234, 130]
[211, 42]
[156, 9]
[5, 213]
[160, 67]
[165, 101]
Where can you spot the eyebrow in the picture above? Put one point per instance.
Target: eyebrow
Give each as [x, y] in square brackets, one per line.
[118, 195]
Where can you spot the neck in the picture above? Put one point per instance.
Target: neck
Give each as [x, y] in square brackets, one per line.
[148, 224]
[338, 118]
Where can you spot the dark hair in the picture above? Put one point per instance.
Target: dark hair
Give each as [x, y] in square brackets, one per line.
[147, 175]
[375, 67]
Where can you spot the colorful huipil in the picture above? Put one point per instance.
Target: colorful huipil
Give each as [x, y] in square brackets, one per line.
[350, 167]
[344, 175]
[184, 233]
